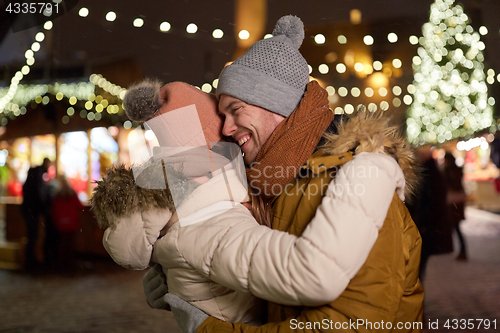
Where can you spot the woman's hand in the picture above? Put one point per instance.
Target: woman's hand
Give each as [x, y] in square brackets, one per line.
[155, 287]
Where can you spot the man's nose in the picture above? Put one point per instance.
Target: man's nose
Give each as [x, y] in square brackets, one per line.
[229, 127]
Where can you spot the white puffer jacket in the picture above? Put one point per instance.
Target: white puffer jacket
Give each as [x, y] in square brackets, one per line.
[223, 263]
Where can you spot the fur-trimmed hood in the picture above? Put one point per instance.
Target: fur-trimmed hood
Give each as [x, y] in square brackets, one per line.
[372, 132]
[118, 195]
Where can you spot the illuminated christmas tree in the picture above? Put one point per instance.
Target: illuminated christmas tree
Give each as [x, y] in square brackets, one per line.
[450, 96]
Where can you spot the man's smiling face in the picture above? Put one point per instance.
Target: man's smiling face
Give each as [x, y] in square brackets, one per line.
[249, 125]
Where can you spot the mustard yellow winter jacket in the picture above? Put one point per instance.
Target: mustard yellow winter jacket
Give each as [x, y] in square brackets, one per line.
[386, 294]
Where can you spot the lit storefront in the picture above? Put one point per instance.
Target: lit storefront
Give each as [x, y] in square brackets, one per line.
[80, 127]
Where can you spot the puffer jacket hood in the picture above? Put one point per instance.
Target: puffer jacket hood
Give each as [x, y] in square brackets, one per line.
[372, 132]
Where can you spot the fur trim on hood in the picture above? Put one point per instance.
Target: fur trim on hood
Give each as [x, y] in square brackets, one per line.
[117, 194]
[371, 132]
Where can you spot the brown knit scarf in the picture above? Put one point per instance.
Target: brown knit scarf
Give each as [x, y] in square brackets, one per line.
[291, 144]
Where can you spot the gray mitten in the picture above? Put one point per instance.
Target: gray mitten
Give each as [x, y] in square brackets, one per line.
[188, 316]
[155, 287]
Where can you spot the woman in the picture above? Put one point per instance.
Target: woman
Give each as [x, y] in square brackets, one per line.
[66, 208]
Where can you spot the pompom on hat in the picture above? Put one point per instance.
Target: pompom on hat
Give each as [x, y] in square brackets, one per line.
[272, 74]
[150, 101]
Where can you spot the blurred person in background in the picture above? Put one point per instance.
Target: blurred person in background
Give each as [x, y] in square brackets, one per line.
[429, 210]
[455, 198]
[66, 208]
[495, 150]
[36, 202]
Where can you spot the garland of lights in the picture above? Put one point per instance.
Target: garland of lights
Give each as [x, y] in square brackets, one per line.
[98, 95]
[450, 91]
[30, 60]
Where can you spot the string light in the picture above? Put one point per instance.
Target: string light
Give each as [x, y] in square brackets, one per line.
[111, 16]
[369, 92]
[472, 143]
[342, 91]
[320, 39]
[341, 68]
[355, 92]
[217, 33]
[138, 22]
[243, 34]
[368, 40]
[483, 30]
[191, 28]
[396, 90]
[165, 26]
[83, 12]
[413, 40]
[206, 87]
[107, 86]
[392, 37]
[35, 47]
[384, 106]
[372, 107]
[323, 69]
[349, 108]
[397, 63]
[39, 37]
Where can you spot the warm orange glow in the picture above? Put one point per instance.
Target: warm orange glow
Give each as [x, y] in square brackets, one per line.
[321, 82]
[378, 80]
[367, 69]
[331, 57]
[397, 72]
[349, 58]
[355, 15]
[250, 16]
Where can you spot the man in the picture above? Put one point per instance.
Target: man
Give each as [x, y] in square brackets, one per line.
[36, 201]
[430, 211]
[278, 118]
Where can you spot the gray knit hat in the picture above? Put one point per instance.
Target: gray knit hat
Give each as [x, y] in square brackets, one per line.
[272, 74]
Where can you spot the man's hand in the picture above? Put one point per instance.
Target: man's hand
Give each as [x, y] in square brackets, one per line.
[155, 287]
[188, 316]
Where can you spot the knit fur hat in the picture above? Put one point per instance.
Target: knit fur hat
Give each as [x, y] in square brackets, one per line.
[149, 101]
[272, 74]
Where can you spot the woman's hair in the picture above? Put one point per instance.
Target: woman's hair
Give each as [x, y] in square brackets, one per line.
[261, 210]
[65, 189]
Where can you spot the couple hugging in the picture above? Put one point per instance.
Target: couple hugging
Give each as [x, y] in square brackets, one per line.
[260, 210]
